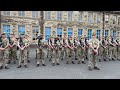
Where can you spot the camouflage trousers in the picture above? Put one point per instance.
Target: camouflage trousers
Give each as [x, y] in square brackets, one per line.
[105, 53]
[72, 54]
[112, 52]
[118, 54]
[40, 56]
[22, 57]
[62, 52]
[57, 54]
[81, 54]
[92, 59]
[13, 54]
[100, 52]
[28, 53]
[4, 58]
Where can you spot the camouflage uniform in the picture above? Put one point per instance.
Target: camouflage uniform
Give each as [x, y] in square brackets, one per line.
[71, 52]
[82, 53]
[13, 50]
[92, 56]
[118, 49]
[40, 52]
[5, 54]
[23, 53]
[66, 49]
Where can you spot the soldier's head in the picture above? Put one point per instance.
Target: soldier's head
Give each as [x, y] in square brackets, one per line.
[3, 35]
[22, 35]
[12, 35]
[70, 37]
[26, 36]
[94, 35]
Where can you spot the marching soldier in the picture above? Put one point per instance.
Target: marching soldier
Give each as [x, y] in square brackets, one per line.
[76, 51]
[100, 51]
[57, 50]
[66, 49]
[52, 50]
[111, 48]
[49, 49]
[93, 52]
[22, 45]
[28, 48]
[4, 51]
[118, 54]
[71, 51]
[13, 47]
[82, 50]
[86, 47]
[105, 46]
[61, 48]
[40, 51]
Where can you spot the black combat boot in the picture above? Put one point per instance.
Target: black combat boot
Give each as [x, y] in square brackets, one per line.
[53, 64]
[96, 68]
[58, 64]
[78, 62]
[76, 59]
[28, 61]
[67, 62]
[83, 62]
[89, 68]
[43, 65]
[99, 60]
[37, 65]
[105, 60]
[19, 66]
[14, 62]
[61, 58]
[9, 62]
[25, 66]
[1, 67]
[6, 67]
[50, 59]
[73, 62]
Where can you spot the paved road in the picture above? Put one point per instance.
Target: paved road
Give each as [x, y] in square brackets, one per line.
[109, 70]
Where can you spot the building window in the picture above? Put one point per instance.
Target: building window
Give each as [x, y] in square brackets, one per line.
[90, 17]
[79, 32]
[106, 19]
[69, 32]
[34, 14]
[35, 32]
[106, 33]
[98, 18]
[114, 19]
[6, 30]
[59, 32]
[6, 13]
[47, 33]
[70, 15]
[21, 13]
[114, 34]
[59, 15]
[80, 17]
[89, 34]
[98, 34]
[47, 15]
[21, 29]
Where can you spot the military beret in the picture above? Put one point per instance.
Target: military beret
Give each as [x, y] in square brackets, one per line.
[3, 34]
[93, 34]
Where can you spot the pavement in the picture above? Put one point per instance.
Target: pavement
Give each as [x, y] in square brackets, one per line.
[109, 70]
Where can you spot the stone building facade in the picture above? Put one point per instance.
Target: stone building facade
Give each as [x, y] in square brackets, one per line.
[59, 23]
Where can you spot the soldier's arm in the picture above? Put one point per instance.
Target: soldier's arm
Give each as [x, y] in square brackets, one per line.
[90, 44]
[98, 44]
